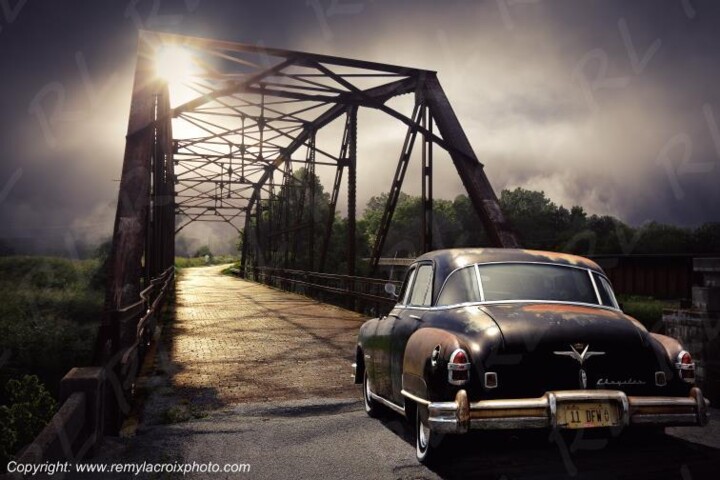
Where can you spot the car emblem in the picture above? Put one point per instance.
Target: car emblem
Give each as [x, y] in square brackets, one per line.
[577, 355]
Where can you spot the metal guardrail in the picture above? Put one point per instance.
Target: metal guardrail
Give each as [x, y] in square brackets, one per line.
[362, 294]
[94, 399]
[144, 315]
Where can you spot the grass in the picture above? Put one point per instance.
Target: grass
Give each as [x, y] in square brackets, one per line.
[647, 310]
[189, 262]
[50, 310]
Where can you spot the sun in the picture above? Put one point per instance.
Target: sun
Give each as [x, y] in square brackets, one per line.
[174, 64]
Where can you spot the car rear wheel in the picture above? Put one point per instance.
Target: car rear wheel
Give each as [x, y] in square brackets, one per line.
[427, 443]
[371, 406]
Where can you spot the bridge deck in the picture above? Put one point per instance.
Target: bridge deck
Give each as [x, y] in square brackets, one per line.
[238, 341]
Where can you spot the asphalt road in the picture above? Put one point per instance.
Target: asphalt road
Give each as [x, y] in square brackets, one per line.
[334, 439]
[242, 376]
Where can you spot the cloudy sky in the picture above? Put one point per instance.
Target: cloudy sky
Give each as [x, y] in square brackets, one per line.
[611, 105]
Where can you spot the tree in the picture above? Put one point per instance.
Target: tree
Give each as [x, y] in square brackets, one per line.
[535, 217]
[203, 252]
[471, 232]
[290, 221]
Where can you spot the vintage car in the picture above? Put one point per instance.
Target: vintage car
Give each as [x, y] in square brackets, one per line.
[517, 339]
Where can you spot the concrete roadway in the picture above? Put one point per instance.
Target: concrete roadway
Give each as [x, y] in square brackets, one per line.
[206, 403]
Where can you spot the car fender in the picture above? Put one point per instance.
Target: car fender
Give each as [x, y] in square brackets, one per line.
[367, 331]
[672, 346]
[418, 370]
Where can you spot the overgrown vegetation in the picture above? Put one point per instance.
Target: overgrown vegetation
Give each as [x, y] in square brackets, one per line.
[49, 315]
[203, 260]
[647, 310]
[27, 408]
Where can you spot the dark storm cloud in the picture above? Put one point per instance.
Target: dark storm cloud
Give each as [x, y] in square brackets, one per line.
[611, 105]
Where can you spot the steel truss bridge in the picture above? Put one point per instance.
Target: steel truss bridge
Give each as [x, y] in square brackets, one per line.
[248, 119]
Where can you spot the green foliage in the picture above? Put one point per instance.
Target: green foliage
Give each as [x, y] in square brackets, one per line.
[299, 203]
[543, 225]
[50, 309]
[203, 251]
[29, 408]
[185, 262]
[647, 310]
[537, 220]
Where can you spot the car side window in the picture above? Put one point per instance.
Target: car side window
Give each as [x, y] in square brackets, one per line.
[421, 293]
[409, 277]
[607, 297]
[460, 287]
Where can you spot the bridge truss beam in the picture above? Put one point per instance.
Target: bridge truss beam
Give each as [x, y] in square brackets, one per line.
[219, 142]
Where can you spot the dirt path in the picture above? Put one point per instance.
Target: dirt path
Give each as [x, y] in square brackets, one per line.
[237, 341]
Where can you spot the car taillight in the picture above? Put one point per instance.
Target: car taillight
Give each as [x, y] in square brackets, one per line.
[686, 366]
[459, 367]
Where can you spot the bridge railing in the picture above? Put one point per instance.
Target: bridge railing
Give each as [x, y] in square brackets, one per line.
[96, 399]
[362, 294]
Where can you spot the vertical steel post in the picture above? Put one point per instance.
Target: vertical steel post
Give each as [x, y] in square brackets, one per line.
[130, 229]
[311, 228]
[352, 187]
[343, 161]
[245, 239]
[286, 211]
[164, 187]
[427, 190]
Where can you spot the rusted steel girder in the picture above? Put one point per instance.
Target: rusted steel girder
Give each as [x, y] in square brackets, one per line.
[143, 247]
[427, 185]
[469, 168]
[395, 187]
[125, 268]
[258, 106]
[352, 189]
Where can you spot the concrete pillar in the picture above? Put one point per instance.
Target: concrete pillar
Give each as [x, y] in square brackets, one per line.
[698, 328]
[91, 382]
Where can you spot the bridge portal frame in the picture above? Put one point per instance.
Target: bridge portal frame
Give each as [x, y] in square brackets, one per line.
[283, 85]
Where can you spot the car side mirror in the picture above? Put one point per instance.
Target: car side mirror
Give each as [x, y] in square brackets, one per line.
[391, 290]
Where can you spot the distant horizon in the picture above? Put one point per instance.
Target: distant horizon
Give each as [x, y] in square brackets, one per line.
[76, 247]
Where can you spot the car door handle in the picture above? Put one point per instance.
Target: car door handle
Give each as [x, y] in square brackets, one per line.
[416, 317]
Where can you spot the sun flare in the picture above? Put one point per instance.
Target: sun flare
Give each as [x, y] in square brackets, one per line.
[174, 64]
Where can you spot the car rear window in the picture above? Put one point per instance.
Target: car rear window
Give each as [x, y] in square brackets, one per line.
[526, 281]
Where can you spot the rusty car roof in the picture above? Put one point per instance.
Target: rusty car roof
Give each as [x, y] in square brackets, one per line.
[450, 259]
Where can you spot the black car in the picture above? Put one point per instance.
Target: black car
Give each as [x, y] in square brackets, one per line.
[516, 339]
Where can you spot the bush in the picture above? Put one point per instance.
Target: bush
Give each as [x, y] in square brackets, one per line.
[185, 262]
[646, 310]
[30, 407]
[49, 315]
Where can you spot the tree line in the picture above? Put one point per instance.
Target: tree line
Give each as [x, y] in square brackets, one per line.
[539, 223]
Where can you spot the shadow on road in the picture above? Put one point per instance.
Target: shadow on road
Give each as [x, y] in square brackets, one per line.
[580, 455]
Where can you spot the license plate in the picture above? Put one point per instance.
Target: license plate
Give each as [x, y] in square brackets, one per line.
[587, 415]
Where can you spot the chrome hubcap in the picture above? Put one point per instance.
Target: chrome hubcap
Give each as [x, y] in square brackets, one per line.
[367, 392]
[423, 434]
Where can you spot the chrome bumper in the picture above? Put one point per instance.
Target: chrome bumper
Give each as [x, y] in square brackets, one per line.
[460, 416]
